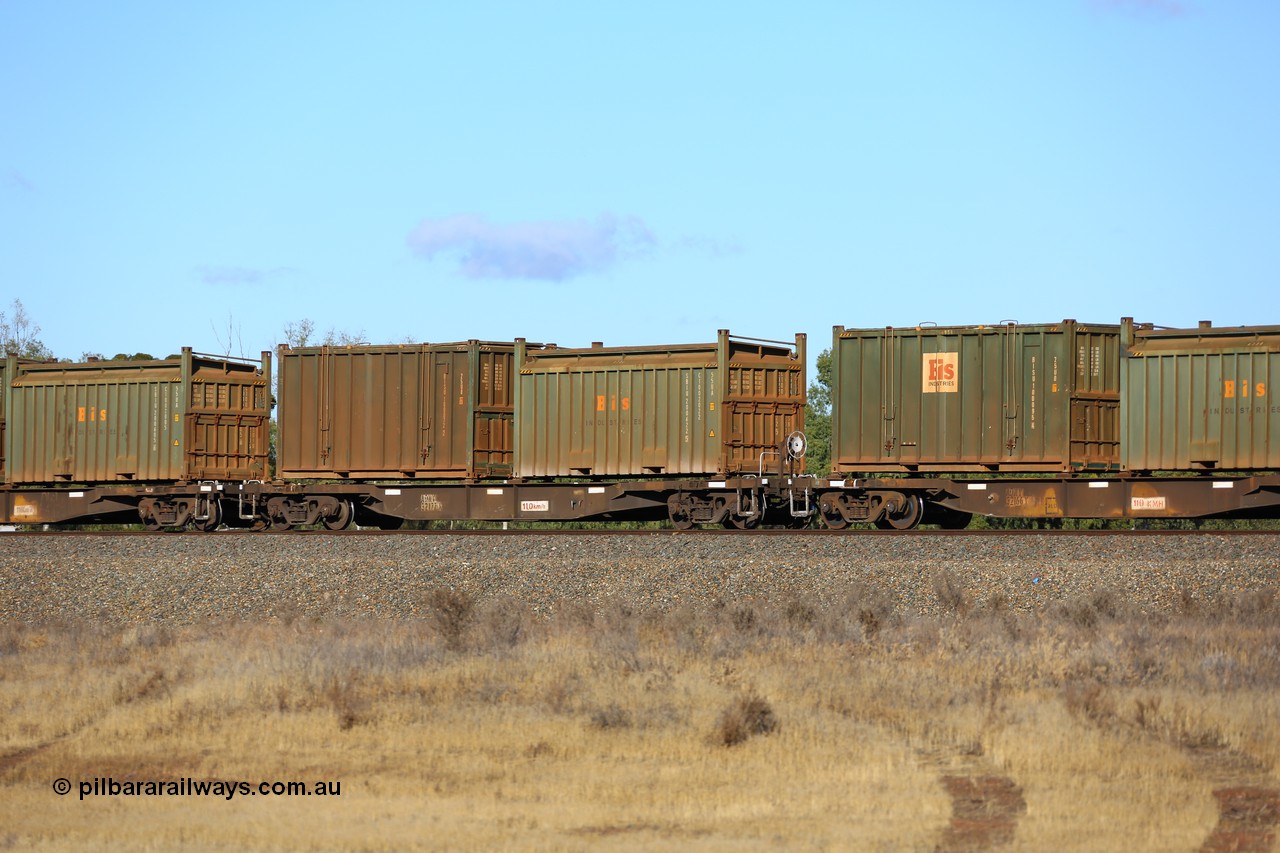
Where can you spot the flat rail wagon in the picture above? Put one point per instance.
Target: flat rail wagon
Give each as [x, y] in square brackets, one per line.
[521, 431]
[147, 432]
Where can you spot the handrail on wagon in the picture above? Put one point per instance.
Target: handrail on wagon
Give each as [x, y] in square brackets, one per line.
[220, 357]
[734, 337]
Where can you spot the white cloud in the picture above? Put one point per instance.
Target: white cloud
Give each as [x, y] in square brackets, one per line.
[549, 251]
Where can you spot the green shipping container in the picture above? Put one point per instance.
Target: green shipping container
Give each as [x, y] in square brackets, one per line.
[192, 417]
[976, 398]
[439, 411]
[4, 371]
[1200, 399]
[712, 409]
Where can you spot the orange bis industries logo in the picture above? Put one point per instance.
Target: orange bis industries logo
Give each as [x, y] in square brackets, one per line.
[1231, 388]
[613, 402]
[941, 372]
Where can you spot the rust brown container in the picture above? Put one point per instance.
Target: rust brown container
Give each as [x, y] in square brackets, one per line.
[1201, 399]
[976, 398]
[712, 409]
[191, 417]
[438, 411]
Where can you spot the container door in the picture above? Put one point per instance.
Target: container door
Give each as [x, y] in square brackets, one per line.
[1095, 432]
[1095, 406]
[761, 408]
[440, 427]
[226, 430]
[492, 416]
[227, 446]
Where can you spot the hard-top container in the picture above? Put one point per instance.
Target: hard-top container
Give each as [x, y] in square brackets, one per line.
[704, 409]
[187, 418]
[439, 411]
[1200, 399]
[1005, 397]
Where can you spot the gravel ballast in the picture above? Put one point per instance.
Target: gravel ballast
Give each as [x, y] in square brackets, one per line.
[194, 578]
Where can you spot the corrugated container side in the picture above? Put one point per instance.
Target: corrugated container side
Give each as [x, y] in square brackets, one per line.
[186, 418]
[422, 410]
[980, 398]
[1201, 399]
[689, 409]
[5, 373]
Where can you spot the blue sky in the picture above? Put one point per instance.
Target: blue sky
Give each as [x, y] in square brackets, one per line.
[203, 174]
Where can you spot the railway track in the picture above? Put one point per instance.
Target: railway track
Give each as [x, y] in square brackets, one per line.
[698, 532]
[213, 577]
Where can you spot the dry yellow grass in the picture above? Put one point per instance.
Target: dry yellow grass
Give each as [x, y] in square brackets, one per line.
[486, 727]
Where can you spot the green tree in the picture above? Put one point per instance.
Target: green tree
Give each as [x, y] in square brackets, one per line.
[303, 333]
[18, 334]
[817, 418]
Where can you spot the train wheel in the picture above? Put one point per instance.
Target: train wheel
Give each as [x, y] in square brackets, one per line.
[829, 509]
[679, 513]
[342, 520]
[741, 522]
[905, 518]
[834, 521]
